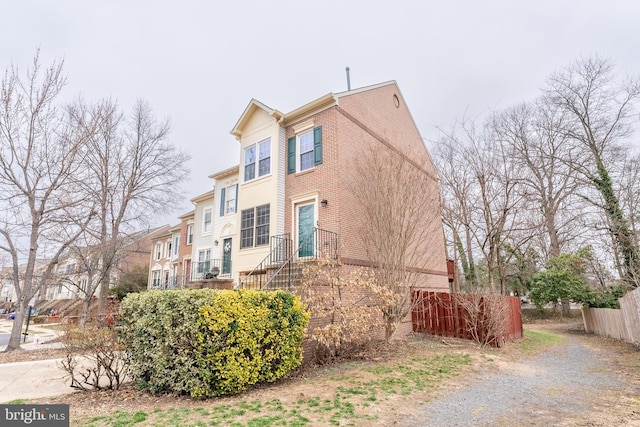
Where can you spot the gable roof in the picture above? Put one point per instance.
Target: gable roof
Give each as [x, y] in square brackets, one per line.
[318, 104]
[254, 105]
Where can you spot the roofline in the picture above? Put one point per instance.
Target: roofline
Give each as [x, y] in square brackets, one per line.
[188, 214]
[318, 104]
[324, 102]
[226, 172]
[208, 194]
[365, 88]
[248, 111]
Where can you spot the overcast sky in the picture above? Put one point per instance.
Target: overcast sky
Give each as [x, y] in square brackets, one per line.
[201, 62]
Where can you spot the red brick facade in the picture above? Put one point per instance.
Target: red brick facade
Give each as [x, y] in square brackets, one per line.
[376, 118]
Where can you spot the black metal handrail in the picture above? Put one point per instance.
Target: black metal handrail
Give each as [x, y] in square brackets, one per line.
[208, 269]
[280, 249]
[281, 267]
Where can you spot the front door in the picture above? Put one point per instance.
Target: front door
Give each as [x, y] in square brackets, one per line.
[226, 256]
[306, 224]
[187, 271]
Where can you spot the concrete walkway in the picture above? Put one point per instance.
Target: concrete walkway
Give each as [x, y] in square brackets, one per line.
[32, 379]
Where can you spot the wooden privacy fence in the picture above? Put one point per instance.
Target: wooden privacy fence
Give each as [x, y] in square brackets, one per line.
[488, 319]
[622, 324]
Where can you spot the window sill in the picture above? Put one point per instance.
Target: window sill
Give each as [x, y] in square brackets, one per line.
[256, 180]
[304, 172]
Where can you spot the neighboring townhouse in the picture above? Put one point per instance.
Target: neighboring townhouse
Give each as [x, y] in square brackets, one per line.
[7, 288]
[8, 295]
[161, 266]
[72, 279]
[225, 243]
[186, 246]
[293, 196]
[203, 266]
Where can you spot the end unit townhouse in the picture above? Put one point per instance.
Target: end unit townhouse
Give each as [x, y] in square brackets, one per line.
[291, 197]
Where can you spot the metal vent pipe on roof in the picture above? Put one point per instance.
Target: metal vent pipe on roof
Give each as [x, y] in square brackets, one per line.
[348, 79]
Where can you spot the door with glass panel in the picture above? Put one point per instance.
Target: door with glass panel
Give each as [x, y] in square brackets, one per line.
[306, 223]
[226, 256]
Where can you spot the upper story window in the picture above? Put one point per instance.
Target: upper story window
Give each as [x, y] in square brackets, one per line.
[228, 200]
[254, 226]
[158, 250]
[257, 160]
[69, 268]
[176, 241]
[304, 151]
[206, 225]
[189, 234]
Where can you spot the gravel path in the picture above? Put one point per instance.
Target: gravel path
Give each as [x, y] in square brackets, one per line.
[551, 389]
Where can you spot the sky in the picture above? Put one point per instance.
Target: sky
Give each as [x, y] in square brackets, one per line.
[199, 63]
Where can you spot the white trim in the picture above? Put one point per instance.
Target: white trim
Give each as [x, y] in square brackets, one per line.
[303, 127]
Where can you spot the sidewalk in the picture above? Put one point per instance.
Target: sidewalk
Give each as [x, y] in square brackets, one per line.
[32, 379]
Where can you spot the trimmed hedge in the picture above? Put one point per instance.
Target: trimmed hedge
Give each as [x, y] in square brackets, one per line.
[208, 342]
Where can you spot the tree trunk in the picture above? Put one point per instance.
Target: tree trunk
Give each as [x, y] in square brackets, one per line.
[86, 303]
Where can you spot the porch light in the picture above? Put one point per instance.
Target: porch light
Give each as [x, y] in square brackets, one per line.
[324, 203]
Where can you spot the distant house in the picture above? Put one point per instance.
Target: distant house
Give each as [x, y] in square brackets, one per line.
[8, 295]
[79, 268]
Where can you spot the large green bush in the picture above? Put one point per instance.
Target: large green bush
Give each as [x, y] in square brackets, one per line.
[208, 342]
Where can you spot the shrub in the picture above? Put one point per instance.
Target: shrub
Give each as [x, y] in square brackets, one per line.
[344, 305]
[208, 342]
[94, 358]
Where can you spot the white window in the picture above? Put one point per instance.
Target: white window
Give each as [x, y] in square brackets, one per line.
[305, 158]
[231, 199]
[189, 234]
[204, 260]
[254, 226]
[304, 150]
[257, 160]
[206, 227]
[158, 250]
[156, 278]
[176, 241]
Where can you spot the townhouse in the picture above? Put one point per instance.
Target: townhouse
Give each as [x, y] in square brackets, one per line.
[291, 196]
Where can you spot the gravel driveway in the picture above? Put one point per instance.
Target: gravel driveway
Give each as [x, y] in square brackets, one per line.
[576, 383]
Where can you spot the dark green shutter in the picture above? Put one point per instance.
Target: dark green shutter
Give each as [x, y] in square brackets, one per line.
[222, 201]
[317, 145]
[291, 155]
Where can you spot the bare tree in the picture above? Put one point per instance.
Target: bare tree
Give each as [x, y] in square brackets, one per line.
[600, 114]
[399, 203]
[537, 148]
[456, 186]
[135, 170]
[39, 153]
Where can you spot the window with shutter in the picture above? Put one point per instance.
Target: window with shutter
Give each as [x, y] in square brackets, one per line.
[304, 151]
